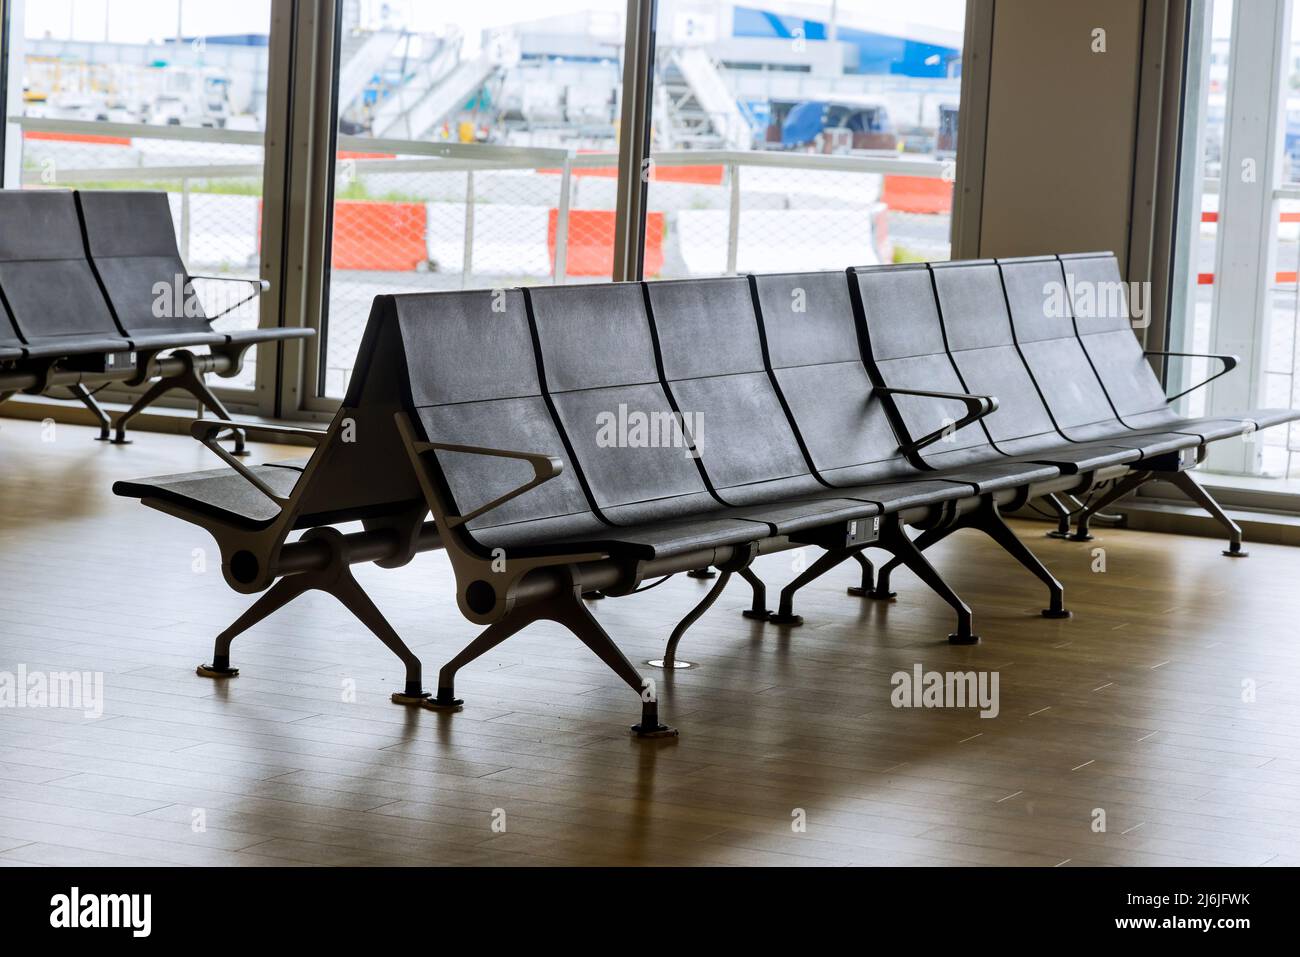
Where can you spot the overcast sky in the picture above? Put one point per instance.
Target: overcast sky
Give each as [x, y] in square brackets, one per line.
[136, 21]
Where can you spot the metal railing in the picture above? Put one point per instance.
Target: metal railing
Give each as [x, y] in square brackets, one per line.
[494, 187]
[440, 157]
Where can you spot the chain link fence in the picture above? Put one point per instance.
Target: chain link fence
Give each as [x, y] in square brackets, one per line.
[410, 223]
[416, 216]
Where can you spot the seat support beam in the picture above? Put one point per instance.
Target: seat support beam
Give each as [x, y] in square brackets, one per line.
[189, 377]
[868, 583]
[1062, 516]
[1187, 484]
[894, 540]
[988, 519]
[90, 402]
[335, 579]
[757, 609]
[1130, 483]
[565, 608]
[831, 558]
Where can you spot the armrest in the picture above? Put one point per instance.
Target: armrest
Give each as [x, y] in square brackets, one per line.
[1229, 363]
[207, 430]
[545, 468]
[977, 406]
[262, 286]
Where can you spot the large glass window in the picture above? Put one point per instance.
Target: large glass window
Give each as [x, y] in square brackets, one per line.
[802, 136]
[157, 95]
[1280, 448]
[476, 148]
[1239, 232]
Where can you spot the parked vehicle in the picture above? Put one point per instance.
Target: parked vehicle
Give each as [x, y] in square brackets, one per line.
[838, 126]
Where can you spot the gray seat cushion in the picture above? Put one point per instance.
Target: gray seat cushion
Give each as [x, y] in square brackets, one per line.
[648, 541]
[899, 496]
[218, 493]
[158, 341]
[54, 347]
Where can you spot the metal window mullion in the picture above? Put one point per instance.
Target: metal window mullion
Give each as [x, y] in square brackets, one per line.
[1155, 161]
[276, 159]
[972, 130]
[308, 94]
[1193, 185]
[12, 106]
[634, 140]
[11, 79]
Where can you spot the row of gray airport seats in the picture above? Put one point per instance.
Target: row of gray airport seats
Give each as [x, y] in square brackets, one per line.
[574, 441]
[93, 290]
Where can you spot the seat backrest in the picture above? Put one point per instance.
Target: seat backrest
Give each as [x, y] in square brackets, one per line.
[599, 371]
[905, 342]
[1044, 329]
[361, 469]
[973, 309]
[712, 359]
[10, 342]
[47, 283]
[470, 378]
[1102, 320]
[132, 245]
[815, 356]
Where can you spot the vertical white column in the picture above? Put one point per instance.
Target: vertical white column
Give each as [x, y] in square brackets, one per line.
[1244, 261]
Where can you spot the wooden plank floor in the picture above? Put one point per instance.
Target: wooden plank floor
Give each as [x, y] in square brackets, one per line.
[1167, 702]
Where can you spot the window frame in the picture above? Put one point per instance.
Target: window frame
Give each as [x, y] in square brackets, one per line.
[264, 398]
[298, 184]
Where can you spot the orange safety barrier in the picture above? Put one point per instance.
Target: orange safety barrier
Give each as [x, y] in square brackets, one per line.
[385, 237]
[591, 242]
[1212, 216]
[1207, 278]
[360, 155]
[917, 194]
[699, 175]
[381, 236]
[78, 138]
[1283, 278]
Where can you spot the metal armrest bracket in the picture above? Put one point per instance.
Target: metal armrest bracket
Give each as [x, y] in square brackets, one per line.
[208, 430]
[977, 407]
[1229, 363]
